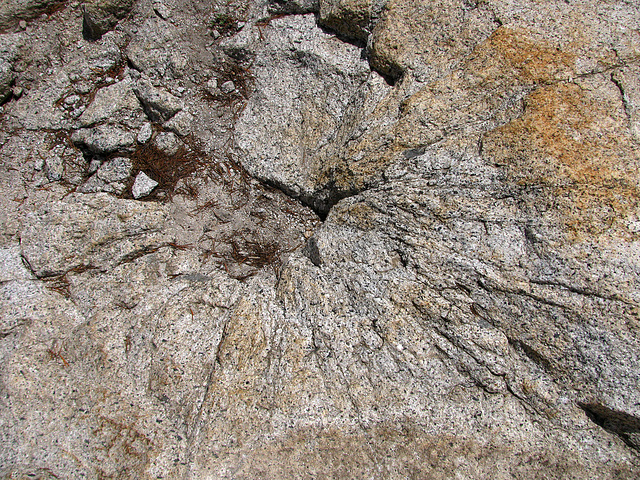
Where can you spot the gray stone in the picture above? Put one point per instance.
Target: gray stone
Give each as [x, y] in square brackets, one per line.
[71, 100]
[291, 119]
[161, 9]
[103, 139]
[93, 184]
[168, 143]
[212, 86]
[145, 133]
[94, 165]
[159, 105]
[6, 79]
[227, 87]
[54, 168]
[181, 123]
[143, 185]
[100, 16]
[115, 170]
[147, 52]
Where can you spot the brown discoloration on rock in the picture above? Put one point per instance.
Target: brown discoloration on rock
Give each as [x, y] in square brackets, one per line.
[576, 144]
[529, 59]
[477, 96]
[243, 344]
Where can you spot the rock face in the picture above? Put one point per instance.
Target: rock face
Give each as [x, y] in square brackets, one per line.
[308, 85]
[272, 253]
[100, 16]
[13, 11]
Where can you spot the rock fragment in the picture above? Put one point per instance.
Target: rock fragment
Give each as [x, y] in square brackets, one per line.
[161, 9]
[116, 102]
[145, 133]
[103, 139]
[143, 185]
[115, 170]
[212, 86]
[159, 105]
[54, 168]
[6, 80]
[168, 143]
[180, 123]
[227, 87]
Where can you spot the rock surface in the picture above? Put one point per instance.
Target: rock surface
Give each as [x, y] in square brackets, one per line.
[160, 105]
[13, 12]
[100, 16]
[463, 303]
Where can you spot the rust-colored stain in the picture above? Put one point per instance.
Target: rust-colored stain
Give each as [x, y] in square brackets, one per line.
[519, 53]
[576, 145]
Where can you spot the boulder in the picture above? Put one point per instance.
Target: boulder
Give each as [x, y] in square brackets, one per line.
[114, 103]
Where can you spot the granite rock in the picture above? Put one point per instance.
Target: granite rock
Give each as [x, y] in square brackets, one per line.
[103, 139]
[145, 133]
[6, 80]
[159, 105]
[301, 95]
[465, 306]
[113, 104]
[143, 185]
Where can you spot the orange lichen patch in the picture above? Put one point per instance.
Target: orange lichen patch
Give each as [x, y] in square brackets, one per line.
[507, 63]
[576, 144]
[533, 60]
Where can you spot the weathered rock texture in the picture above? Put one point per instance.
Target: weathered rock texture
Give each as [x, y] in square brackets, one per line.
[416, 255]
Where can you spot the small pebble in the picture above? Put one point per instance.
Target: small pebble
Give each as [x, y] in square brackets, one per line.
[71, 99]
[94, 166]
[227, 87]
[145, 133]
